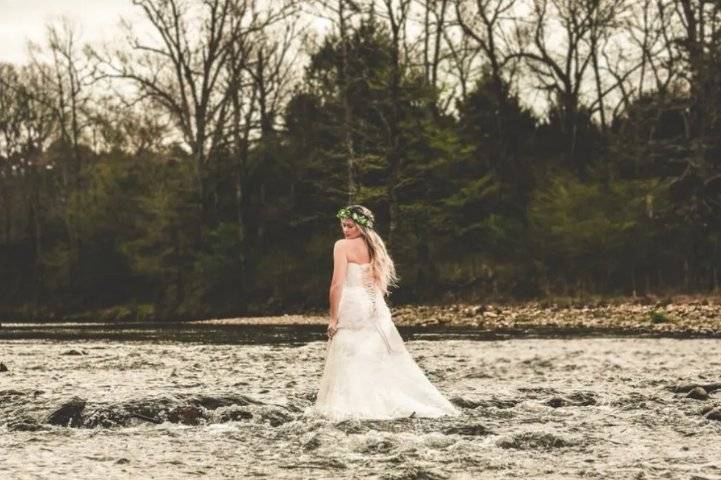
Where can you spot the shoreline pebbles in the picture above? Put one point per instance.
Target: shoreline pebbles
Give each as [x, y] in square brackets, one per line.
[698, 318]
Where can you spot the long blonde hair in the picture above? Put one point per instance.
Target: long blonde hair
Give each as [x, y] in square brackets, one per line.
[382, 266]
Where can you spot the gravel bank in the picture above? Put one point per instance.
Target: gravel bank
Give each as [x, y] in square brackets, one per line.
[678, 317]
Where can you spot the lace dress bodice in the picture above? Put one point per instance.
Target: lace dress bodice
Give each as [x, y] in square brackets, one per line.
[357, 275]
[361, 301]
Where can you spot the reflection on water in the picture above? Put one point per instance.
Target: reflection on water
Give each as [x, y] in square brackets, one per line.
[229, 401]
[285, 334]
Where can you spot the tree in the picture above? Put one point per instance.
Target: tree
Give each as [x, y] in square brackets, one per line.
[562, 71]
[185, 67]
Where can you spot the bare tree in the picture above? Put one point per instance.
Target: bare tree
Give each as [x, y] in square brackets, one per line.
[342, 14]
[27, 124]
[559, 48]
[486, 22]
[435, 14]
[11, 140]
[649, 31]
[464, 55]
[698, 41]
[397, 14]
[265, 79]
[183, 69]
[67, 74]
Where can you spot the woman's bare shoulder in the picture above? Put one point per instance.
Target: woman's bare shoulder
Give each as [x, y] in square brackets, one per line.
[341, 245]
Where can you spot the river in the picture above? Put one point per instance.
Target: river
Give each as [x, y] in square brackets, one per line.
[194, 402]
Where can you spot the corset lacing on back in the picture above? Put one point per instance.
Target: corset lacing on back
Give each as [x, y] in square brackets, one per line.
[373, 293]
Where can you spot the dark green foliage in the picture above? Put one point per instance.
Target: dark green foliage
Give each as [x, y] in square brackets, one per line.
[489, 204]
[658, 317]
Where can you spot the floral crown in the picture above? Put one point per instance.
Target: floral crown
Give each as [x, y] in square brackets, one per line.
[357, 217]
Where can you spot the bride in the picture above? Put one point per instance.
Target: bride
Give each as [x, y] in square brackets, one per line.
[368, 372]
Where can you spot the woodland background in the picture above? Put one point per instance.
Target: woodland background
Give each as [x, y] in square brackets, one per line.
[510, 149]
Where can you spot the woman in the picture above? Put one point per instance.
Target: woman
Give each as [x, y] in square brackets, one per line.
[368, 372]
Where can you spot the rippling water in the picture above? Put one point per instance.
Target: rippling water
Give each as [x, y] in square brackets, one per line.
[164, 406]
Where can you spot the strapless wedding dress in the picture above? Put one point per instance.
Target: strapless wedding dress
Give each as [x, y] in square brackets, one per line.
[368, 372]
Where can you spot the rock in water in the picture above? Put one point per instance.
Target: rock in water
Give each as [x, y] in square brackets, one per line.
[698, 393]
[74, 352]
[464, 403]
[3, 367]
[276, 417]
[687, 387]
[469, 430]
[557, 402]
[234, 415]
[186, 414]
[210, 402]
[576, 399]
[533, 441]
[25, 424]
[313, 443]
[714, 414]
[69, 414]
[583, 399]
[10, 395]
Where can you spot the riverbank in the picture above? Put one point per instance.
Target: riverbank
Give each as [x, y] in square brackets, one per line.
[679, 316]
[670, 316]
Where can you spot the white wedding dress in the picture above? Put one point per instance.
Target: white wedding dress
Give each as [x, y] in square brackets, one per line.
[368, 372]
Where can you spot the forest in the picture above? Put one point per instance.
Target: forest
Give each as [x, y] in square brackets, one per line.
[510, 150]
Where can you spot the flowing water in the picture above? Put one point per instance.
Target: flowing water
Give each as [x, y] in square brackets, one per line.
[229, 403]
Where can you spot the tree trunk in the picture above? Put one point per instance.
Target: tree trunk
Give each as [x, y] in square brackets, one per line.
[347, 111]
[393, 149]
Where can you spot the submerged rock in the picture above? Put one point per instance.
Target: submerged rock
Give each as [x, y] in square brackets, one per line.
[312, 443]
[698, 393]
[576, 399]
[475, 430]
[232, 414]
[500, 403]
[156, 407]
[185, 409]
[69, 413]
[714, 414]
[3, 367]
[465, 403]
[25, 424]
[275, 417]
[712, 387]
[212, 402]
[558, 402]
[186, 414]
[8, 395]
[583, 399]
[310, 396]
[377, 445]
[533, 441]
[74, 352]
[415, 473]
[351, 426]
[687, 387]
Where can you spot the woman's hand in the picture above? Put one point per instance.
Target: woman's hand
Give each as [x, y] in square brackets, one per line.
[332, 329]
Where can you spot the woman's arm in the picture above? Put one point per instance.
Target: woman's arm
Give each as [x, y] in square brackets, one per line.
[340, 264]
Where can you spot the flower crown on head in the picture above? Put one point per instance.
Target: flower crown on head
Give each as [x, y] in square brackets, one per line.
[357, 217]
